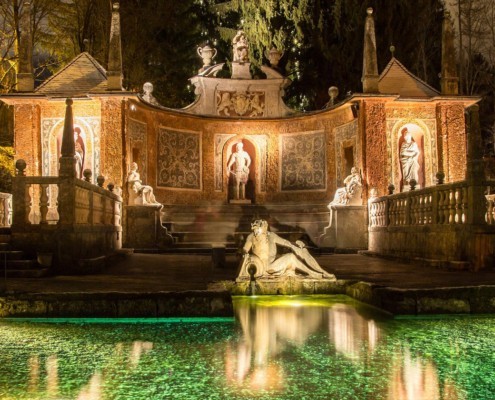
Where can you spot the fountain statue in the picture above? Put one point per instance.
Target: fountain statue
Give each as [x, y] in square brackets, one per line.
[261, 259]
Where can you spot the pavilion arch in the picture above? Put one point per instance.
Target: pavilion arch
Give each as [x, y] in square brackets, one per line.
[52, 141]
[428, 157]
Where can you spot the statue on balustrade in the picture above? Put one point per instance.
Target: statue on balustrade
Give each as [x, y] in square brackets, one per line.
[240, 161]
[139, 194]
[260, 251]
[409, 154]
[350, 194]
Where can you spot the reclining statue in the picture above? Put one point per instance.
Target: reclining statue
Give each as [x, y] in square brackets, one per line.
[139, 194]
[260, 251]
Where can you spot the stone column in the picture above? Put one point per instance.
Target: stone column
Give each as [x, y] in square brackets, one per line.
[370, 63]
[114, 72]
[67, 170]
[449, 80]
[25, 77]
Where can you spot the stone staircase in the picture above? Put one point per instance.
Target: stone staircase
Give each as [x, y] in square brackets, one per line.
[207, 226]
[15, 263]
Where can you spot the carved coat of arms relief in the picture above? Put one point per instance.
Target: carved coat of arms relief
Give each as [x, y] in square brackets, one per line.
[241, 104]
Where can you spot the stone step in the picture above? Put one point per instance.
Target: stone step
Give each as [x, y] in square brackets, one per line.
[20, 265]
[4, 246]
[5, 238]
[10, 254]
[27, 273]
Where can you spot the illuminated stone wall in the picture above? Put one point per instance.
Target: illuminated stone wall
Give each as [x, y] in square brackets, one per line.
[452, 141]
[39, 123]
[376, 161]
[261, 138]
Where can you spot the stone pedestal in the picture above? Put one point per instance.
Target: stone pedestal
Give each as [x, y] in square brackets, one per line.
[142, 224]
[348, 229]
[241, 70]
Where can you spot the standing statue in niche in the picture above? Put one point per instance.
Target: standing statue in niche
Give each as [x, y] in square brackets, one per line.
[80, 152]
[139, 194]
[240, 161]
[409, 154]
[240, 47]
[260, 251]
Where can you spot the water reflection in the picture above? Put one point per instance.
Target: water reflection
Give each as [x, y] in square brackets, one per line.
[269, 328]
[278, 348]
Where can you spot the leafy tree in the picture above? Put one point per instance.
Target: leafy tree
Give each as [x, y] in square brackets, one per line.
[159, 39]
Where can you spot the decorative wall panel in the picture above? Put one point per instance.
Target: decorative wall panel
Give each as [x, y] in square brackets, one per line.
[303, 164]
[179, 159]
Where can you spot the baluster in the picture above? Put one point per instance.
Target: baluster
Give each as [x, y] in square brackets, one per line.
[452, 206]
[464, 204]
[27, 202]
[43, 203]
[446, 205]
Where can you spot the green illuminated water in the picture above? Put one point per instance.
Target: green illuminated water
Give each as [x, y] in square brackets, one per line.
[276, 348]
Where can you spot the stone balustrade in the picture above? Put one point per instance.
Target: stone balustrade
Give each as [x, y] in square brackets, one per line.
[439, 222]
[5, 210]
[63, 215]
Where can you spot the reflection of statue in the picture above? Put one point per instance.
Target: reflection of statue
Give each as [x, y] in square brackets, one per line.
[263, 247]
[241, 162]
[141, 194]
[240, 47]
[350, 194]
[409, 153]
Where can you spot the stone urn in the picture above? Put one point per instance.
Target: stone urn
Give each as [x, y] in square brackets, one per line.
[207, 53]
[274, 56]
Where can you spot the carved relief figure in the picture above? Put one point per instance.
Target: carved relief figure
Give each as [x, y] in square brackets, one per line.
[240, 161]
[409, 154]
[139, 194]
[240, 47]
[260, 250]
[350, 194]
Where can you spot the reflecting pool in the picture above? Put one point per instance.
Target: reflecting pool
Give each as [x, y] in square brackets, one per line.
[322, 347]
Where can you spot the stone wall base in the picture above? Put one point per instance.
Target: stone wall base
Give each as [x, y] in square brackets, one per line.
[117, 305]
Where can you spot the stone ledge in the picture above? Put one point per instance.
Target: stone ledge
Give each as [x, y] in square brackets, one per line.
[113, 305]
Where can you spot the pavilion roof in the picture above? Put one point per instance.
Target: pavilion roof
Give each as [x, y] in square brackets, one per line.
[397, 79]
[81, 76]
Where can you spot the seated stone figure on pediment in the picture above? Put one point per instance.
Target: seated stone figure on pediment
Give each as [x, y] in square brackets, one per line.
[139, 194]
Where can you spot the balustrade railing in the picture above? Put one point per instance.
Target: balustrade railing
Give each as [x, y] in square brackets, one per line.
[5, 210]
[445, 204]
[38, 202]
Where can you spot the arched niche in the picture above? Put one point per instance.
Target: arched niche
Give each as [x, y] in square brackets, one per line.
[252, 146]
[421, 135]
[86, 137]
